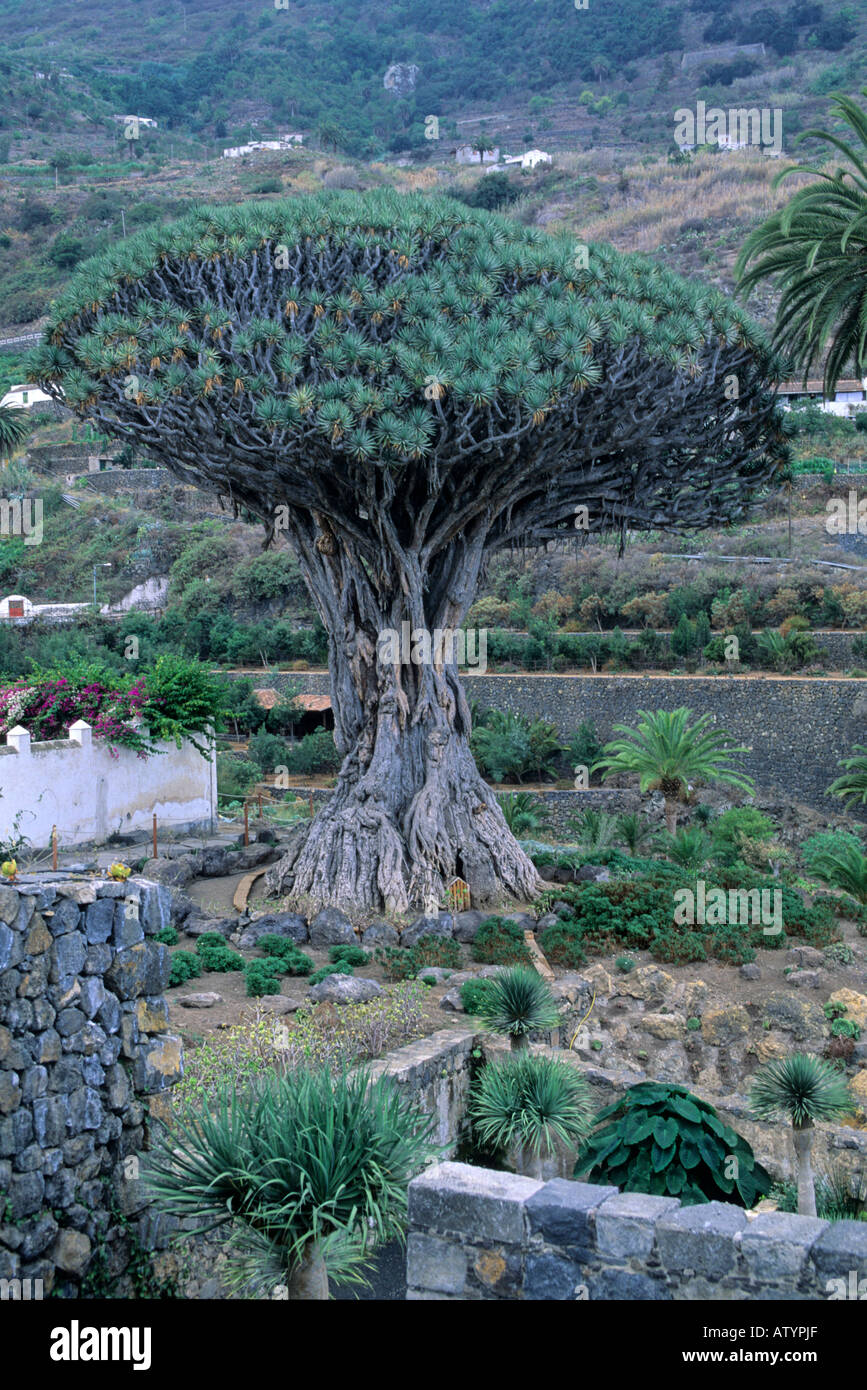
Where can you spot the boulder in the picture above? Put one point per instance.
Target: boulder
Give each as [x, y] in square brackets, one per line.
[725, 1025]
[331, 927]
[380, 934]
[241, 861]
[467, 925]
[805, 958]
[858, 1087]
[591, 873]
[648, 983]
[289, 924]
[198, 926]
[799, 1017]
[525, 920]
[345, 989]
[205, 1000]
[439, 973]
[181, 907]
[452, 1003]
[443, 925]
[750, 971]
[664, 1026]
[175, 873]
[806, 979]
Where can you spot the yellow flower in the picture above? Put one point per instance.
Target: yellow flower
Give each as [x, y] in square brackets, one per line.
[9, 869]
[119, 871]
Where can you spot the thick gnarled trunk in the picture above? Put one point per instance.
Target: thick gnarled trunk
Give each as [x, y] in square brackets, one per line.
[410, 810]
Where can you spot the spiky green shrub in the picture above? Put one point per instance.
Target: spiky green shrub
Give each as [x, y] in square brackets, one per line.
[523, 812]
[500, 942]
[185, 966]
[528, 1103]
[805, 1090]
[663, 1140]
[851, 785]
[518, 1003]
[303, 1171]
[166, 936]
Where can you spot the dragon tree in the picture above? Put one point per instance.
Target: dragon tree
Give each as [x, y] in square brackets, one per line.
[400, 386]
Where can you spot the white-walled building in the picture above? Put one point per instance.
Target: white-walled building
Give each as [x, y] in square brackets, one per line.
[25, 397]
[283, 142]
[529, 159]
[15, 608]
[850, 397]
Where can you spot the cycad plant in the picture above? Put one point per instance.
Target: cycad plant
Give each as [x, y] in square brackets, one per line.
[526, 1104]
[595, 831]
[523, 812]
[815, 249]
[306, 1170]
[851, 785]
[668, 752]
[635, 831]
[838, 860]
[806, 1090]
[518, 1003]
[689, 847]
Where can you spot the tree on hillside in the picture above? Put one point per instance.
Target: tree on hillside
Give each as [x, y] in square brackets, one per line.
[815, 249]
[402, 386]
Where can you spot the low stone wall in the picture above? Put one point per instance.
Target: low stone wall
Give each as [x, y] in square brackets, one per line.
[435, 1071]
[477, 1234]
[84, 1045]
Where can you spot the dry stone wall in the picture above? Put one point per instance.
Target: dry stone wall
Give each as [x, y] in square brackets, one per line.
[84, 1046]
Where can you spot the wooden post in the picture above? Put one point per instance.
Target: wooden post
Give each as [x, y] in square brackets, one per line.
[54, 846]
[246, 825]
[155, 834]
[260, 805]
[311, 805]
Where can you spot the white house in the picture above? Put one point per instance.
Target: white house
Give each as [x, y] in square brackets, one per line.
[142, 120]
[850, 397]
[529, 160]
[283, 142]
[25, 397]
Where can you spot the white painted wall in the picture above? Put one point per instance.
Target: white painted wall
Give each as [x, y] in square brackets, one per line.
[78, 786]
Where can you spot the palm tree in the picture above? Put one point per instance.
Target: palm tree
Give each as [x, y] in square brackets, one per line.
[668, 752]
[14, 429]
[852, 784]
[816, 250]
[518, 1003]
[526, 1104]
[806, 1090]
[305, 1170]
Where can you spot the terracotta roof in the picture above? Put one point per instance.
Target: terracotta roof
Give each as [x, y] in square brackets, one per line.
[317, 703]
[268, 698]
[814, 387]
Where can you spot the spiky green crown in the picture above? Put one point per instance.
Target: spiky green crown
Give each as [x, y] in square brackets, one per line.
[361, 318]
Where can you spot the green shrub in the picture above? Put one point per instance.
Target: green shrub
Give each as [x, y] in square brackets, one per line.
[262, 977]
[530, 1103]
[316, 752]
[562, 945]
[236, 776]
[166, 936]
[215, 955]
[284, 950]
[405, 962]
[663, 1140]
[625, 963]
[352, 955]
[184, 967]
[474, 994]
[519, 1002]
[342, 968]
[500, 942]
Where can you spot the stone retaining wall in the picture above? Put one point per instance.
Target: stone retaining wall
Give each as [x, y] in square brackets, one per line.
[796, 727]
[84, 1044]
[477, 1234]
